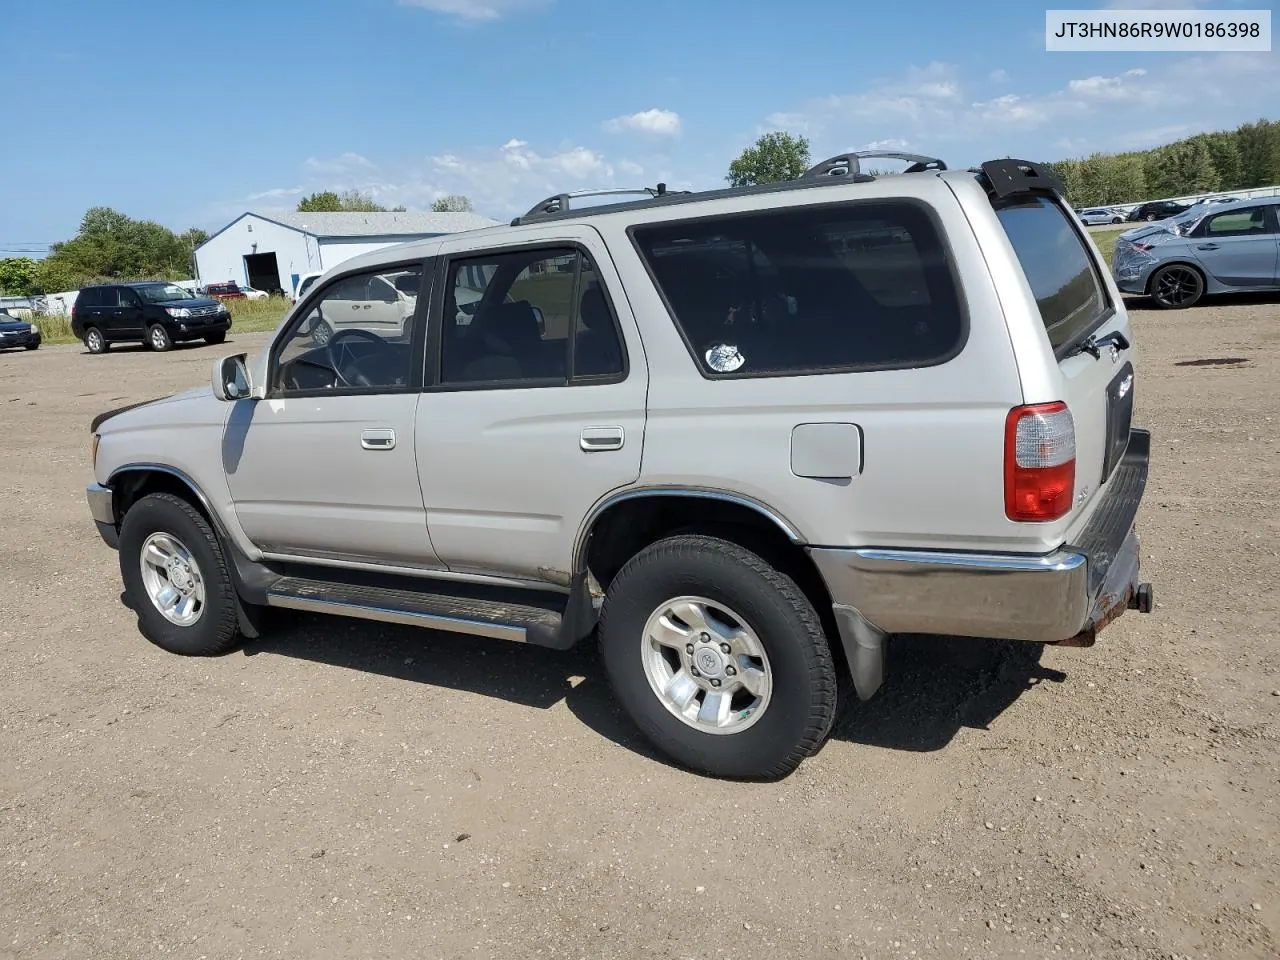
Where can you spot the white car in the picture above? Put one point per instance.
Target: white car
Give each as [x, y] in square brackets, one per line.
[1096, 215]
[253, 293]
[305, 283]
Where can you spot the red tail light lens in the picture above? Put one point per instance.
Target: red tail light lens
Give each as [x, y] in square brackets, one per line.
[1039, 462]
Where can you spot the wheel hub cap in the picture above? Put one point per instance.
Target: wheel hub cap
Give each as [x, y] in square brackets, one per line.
[706, 665]
[172, 579]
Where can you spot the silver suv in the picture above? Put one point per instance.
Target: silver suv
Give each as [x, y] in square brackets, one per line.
[741, 437]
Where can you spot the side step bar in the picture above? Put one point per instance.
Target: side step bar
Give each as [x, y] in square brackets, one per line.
[485, 618]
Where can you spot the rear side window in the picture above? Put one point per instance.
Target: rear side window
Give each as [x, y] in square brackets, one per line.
[91, 297]
[1058, 267]
[811, 290]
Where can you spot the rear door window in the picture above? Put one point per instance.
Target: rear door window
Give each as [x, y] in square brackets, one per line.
[1058, 267]
[858, 286]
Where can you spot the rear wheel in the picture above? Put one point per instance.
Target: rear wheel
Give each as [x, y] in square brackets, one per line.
[1176, 286]
[718, 658]
[216, 338]
[158, 338]
[94, 341]
[176, 577]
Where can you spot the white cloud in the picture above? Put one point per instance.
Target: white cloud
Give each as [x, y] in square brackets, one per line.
[476, 11]
[659, 122]
[339, 165]
[965, 119]
[998, 76]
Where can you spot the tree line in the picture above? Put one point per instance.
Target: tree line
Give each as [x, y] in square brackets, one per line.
[1239, 159]
[353, 201]
[108, 246]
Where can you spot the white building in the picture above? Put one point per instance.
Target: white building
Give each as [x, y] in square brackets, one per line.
[271, 250]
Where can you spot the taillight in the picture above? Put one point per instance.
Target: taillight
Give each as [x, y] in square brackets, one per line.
[1039, 462]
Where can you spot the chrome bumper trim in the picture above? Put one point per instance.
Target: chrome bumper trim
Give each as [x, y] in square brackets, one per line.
[101, 503]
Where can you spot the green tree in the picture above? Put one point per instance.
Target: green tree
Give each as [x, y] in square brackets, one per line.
[349, 201]
[453, 203]
[774, 157]
[18, 276]
[111, 245]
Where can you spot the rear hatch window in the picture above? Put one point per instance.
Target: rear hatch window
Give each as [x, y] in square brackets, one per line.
[1058, 266]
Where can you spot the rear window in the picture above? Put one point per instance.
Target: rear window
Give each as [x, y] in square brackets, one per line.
[1057, 265]
[857, 286]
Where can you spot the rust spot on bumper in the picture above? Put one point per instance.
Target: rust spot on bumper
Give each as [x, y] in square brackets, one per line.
[1105, 609]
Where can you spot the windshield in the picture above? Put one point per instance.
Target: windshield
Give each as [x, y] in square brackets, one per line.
[162, 292]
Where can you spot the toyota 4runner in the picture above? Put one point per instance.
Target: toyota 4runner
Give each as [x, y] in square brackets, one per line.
[742, 437]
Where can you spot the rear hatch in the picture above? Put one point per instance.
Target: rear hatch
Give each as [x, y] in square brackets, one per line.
[1088, 332]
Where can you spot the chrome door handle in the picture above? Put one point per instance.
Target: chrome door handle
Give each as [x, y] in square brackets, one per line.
[381, 439]
[600, 438]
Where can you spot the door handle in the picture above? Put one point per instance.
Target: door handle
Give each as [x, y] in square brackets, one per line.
[1207, 246]
[380, 439]
[600, 438]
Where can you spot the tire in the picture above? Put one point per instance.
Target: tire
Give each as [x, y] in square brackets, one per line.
[321, 332]
[795, 718]
[158, 338]
[213, 631]
[1150, 218]
[94, 341]
[1176, 286]
[33, 346]
[214, 339]
[1117, 220]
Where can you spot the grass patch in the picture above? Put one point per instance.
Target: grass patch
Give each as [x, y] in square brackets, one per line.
[54, 328]
[1106, 241]
[257, 316]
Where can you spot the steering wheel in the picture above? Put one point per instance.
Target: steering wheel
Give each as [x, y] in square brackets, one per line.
[357, 377]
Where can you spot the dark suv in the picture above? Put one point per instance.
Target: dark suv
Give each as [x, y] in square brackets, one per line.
[1157, 210]
[156, 313]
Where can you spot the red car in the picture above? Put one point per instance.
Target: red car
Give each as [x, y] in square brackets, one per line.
[225, 291]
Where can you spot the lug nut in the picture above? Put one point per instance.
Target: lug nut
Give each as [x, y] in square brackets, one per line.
[724, 648]
[715, 683]
[730, 671]
[688, 648]
[704, 637]
[694, 671]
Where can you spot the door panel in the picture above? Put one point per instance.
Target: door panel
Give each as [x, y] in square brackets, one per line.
[333, 476]
[1238, 247]
[325, 465]
[514, 451]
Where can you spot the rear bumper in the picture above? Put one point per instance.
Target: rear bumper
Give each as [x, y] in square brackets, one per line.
[1067, 596]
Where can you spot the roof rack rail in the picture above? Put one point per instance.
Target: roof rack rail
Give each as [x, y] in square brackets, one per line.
[846, 164]
[560, 202]
[1008, 176]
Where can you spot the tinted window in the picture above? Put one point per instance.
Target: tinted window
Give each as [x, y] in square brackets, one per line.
[347, 340]
[1237, 223]
[508, 317]
[1057, 265]
[859, 286]
[90, 297]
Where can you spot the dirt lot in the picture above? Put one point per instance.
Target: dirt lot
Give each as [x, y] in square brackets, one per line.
[341, 789]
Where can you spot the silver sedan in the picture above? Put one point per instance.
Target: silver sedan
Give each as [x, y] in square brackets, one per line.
[1208, 249]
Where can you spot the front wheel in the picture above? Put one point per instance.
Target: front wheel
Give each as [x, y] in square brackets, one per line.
[158, 338]
[321, 332]
[718, 658]
[176, 577]
[33, 346]
[1176, 286]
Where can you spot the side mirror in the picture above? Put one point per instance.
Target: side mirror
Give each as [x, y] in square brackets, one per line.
[231, 378]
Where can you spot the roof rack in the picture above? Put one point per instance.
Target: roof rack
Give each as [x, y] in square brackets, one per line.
[1008, 176]
[846, 164]
[560, 202]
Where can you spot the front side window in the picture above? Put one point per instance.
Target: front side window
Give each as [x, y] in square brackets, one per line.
[533, 317]
[357, 336]
[809, 290]
[1061, 273]
[1236, 223]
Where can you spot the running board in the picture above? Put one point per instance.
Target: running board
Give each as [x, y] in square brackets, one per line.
[484, 618]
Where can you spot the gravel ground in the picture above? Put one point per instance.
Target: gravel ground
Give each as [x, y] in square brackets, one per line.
[342, 789]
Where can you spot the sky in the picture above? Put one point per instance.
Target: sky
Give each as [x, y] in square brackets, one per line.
[192, 113]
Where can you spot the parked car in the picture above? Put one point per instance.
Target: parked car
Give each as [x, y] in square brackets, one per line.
[378, 304]
[229, 290]
[16, 332]
[757, 432]
[252, 293]
[1210, 249]
[304, 284]
[1156, 210]
[155, 313]
[1097, 215]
